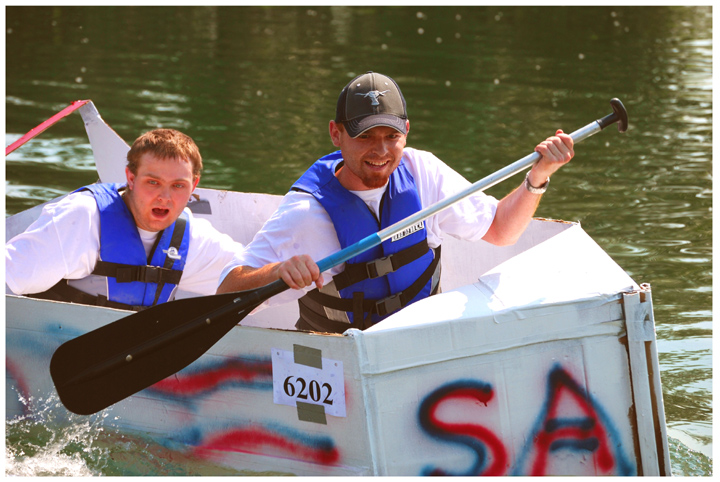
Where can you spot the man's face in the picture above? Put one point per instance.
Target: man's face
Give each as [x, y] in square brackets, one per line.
[159, 191]
[370, 158]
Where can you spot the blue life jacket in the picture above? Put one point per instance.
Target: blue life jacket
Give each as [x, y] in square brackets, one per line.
[132, 278]
[387, 277]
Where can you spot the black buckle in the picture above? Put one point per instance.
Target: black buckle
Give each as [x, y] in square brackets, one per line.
[389, 305]
[379, 267]
[146, 274]
[149, 274]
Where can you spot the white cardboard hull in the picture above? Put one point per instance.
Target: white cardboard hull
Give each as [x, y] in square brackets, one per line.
[471, 381]
[512, 370]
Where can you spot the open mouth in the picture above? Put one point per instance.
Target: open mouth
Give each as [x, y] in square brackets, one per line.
[160, 212]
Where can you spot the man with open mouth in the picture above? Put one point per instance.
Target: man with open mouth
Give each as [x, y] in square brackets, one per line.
[129, 245]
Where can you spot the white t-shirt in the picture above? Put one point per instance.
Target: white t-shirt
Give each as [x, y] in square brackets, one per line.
[64, 243]
[300, 225]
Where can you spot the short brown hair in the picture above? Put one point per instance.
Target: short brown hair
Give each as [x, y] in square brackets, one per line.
[165, 144]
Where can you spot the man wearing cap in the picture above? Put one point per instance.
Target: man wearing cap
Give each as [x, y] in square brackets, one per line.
[370, 183]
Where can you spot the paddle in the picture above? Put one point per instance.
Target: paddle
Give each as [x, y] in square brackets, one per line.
[111, 363]
[44, 125]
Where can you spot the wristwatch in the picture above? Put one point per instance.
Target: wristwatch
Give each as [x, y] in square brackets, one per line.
[533, 189]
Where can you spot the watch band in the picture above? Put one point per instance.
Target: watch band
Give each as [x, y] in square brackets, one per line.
[533, 189]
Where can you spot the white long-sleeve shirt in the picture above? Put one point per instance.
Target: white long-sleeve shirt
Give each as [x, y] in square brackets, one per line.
[64, 243]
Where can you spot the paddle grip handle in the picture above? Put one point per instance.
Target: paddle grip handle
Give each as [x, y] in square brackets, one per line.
[618, 115]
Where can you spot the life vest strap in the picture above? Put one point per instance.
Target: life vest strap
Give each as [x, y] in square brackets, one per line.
[126, 273]
[357, 272]
[312, 321]
[64, 292]
[399, 300]
[311, 305]
[175, 242]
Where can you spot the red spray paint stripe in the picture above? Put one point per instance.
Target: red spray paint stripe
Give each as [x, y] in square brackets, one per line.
[22, 386]
[260, 441]
[194, 384]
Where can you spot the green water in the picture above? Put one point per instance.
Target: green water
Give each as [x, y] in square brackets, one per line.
[256, 87]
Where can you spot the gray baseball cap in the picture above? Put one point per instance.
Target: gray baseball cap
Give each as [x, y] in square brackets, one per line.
[371, 100]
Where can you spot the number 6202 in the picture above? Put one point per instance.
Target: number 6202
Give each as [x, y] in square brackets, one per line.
[308, 390]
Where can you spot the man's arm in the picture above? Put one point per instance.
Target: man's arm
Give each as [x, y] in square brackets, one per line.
[299, 231]
[298, 272]
[515, 211]
[50, 249]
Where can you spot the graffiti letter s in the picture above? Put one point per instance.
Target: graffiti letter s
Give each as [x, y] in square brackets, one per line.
[491, 458]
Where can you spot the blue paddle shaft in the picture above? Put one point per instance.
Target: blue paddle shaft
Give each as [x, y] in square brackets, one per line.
[351, 251]
[481, 185]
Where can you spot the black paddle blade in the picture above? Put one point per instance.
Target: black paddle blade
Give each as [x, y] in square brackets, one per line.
[102, 367]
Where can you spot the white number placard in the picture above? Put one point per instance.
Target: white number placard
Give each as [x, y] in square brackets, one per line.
[294, 382]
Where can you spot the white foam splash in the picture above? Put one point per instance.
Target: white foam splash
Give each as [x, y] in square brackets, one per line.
[52, 441]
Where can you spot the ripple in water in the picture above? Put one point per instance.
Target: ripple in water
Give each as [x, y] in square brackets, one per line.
[687, 462]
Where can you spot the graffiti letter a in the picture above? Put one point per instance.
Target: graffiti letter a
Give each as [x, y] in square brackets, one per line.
[571, 421]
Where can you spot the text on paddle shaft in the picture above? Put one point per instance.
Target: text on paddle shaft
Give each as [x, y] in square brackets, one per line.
[407, 231]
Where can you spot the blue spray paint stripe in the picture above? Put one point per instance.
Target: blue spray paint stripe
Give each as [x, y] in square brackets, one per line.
[590, 444]
[582, 423]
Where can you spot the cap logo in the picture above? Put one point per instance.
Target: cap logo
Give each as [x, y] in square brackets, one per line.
[373, 94]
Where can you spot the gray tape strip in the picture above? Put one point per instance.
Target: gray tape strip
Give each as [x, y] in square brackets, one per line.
[304, 355]
[307, 412]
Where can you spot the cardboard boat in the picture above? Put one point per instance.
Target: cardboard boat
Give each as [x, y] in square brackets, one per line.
[510, 371]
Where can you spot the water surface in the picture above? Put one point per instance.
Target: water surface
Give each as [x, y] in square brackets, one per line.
[256, 87]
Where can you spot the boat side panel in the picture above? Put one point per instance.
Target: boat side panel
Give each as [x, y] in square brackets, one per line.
[554, 408]
[219, 409]
[555, 405]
